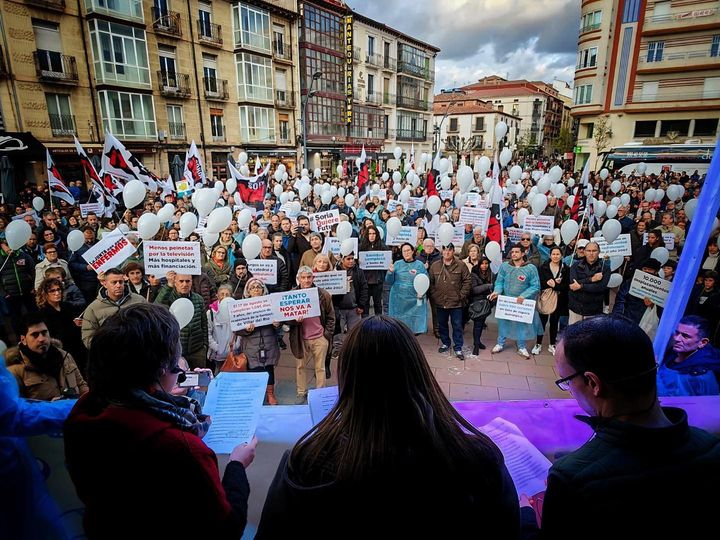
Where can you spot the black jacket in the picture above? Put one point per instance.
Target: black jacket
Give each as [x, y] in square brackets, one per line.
[18, 275]
[589, 299]
[358, 294]
[281, 284]
[546, 274]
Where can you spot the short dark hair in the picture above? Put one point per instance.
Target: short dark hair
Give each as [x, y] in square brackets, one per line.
[114, 272]
[87, 228]
[56, 270]
[28, 320]
[518, 246]
[132, 266]
[631, 372]
[702, 326]
[303, 216]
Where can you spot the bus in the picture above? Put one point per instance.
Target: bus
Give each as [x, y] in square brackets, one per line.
[687, 157]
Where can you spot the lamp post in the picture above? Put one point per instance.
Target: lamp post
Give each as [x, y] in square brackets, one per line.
[308, 96]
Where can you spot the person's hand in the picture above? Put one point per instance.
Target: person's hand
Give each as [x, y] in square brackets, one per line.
[170, 276]
[359, 311]
[596, 277]
[648, 302]
[575, 286]
[244, 453]
[551, 283]
[89, 268]
[391, 268]
[250, 327]
[525, 501]
[77, 321]
[492, 296]
[276, 323]
[203, 370]
[520, 300]
[300, 319]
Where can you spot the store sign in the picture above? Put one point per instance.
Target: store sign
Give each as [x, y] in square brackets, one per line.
[348, 69]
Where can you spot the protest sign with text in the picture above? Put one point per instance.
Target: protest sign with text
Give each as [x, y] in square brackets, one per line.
[446, 194]
[96, 208]
[644, 285]
[406, 234]
[477, 217]
[621, 246]
[514, 234]
[540, 225]
[258, 311]
[375, 260]
[109, 252]
[323, 221]
[264, 270]
[416, 203]
[298, 303]
[508, 309]
[333, 282]
[163, 257]
[668, 238]
[472, 199]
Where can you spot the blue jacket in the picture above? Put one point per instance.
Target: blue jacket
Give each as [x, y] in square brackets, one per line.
[698, 375]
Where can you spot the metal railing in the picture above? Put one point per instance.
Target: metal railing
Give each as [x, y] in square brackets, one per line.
[176, 131]
[680, 58]
[590, 28]
[374, 59]
[285, 99]
[412, 103]
[57, 5]
[374, 98]
[52, 66]
[408, 135]
[216, 88]
[62, 125]
[210, 33]
[282, 50]
[388, 99]
[697, 16]
[414, 70]
[174, 84]
[389, 63]
[167, 22]
[687, 95]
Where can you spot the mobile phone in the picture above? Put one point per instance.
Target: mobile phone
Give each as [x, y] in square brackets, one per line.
[193, 378]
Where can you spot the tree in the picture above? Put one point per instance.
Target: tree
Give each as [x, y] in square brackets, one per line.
[602, 134]
[564, 142]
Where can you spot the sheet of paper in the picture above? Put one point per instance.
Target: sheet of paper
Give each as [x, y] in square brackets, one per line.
[526, 464]
[233, 402]
[321, 400]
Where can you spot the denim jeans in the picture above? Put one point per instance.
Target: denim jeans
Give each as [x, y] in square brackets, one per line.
[455, 317]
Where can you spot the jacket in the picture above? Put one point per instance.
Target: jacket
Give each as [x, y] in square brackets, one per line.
[357, 296]
[194, 335]
[697, 375]
[101, 309]
[217, 274]
[262, 338]
[45, 264]
[18, 275]
[327, 320]
[78, 267]
[281, 276]
[130, 449]
[432, 259]
[546, 274]
[205, 287]
[481, 288]
[629, 306]
[610, 485]
[219, 335]
[449, 285]
[35, 384]
[589, 299]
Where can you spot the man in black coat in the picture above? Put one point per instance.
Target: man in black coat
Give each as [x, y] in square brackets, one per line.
[588, 280]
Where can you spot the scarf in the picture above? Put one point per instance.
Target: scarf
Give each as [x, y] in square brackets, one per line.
[181, 411]
[50, 363]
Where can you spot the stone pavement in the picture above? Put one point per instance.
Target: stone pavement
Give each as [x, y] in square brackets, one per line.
[486, 377]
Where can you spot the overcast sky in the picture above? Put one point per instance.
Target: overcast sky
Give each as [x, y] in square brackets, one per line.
[522, 39]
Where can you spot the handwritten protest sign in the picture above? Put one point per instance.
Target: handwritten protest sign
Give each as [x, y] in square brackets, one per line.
[621, 246]
[332, 282]
[163, 257]
[298, 303]
[474, 216]
[257, 311]
[264, 270]
[446, 194]
[539, 224]
[201, 225]
[514, 234]
[406, 234]
[97, 208]
[375, 260]
[644, 285]
[323, 221]
[109, 252]
[507, 308]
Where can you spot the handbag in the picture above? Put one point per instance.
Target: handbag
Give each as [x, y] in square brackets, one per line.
[235, 362]
[480, 309]
[547, 301]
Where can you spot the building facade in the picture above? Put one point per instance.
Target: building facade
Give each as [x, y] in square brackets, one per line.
[647, 72]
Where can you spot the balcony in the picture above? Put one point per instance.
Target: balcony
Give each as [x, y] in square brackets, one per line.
[685, 61]
[284, 139]
[389, 63]
[413, 69]
[209, 33]
[374, 99]
[174, 84]
[54, 67]
[374, 59]
[53, 5]
[357, 56]
[62, 125]
[589, 28]
[177, 131]
[281, 51]
[693, 94]
[658, 24]
[216, 89]
[166, 22]
[413, 135]
[284, 99]
[412, 103]
[219, 134]
[388, 99]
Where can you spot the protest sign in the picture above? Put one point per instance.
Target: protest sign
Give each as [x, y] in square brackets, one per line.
[109, 252]
[668, 238]
[539, 224]
[332, 282]
[264, 270]
[382, 195]
[472, 199]
[332, 245]
[507, 308]
[621, 246]
[97, 208]
[183, 187]
[298, 303]
[290, 209]
[514, 234]
[323, 221]
[416, 203]
[477, 217]
[257, 311]
[392, 206]
[644, 285]
[201, 225]
[163, 257]
[446, 194]
[375, 260]
[406, 234]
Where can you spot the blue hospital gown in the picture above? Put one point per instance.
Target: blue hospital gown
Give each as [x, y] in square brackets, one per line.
[403, 298]
[519, 281]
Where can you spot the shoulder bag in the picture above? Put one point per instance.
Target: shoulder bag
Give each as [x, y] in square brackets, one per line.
[548, 299]
[235, 362]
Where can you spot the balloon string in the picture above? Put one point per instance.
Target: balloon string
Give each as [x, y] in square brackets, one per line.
[6, 261]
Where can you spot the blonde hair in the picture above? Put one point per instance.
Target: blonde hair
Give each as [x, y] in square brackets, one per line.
[321, 257]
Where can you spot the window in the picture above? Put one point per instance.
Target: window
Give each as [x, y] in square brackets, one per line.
[216, 125]
[325, 117]
[167, 59]
[205, 19]
[257, 124]
[645, 128]
[284, 128]
[412, 60]
[370, 84]
[711, 88]
[677, 128]
[176, 127]
[128, 115]
[279, 40]
[371, 46]
[590, 130]
[119, 53]
[368, 122]
[590, 21]
[322, 28]
[587, 58]
[583, 94]
[649, 90]
[281, 93]
[331, 66]
[254, 77]
[715, 47]
[62, 122]
[411, 127]
[49, 51]
[210, 74]
[251, 27]
[655, 51]
[453, 125]
[127, 8]
[480, 123]
[706, 127]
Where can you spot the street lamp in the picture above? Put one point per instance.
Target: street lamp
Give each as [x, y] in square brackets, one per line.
[309, 95]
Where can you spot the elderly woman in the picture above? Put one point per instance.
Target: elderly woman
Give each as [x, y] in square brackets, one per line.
[322, 263]
[218, 268]
[403, 297]
[260, 343]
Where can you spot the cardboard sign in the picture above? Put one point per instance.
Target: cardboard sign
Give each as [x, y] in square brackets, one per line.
[183, 187]
[375, 260]
[446, 194]
[109, 252]
[514, 234]
[333, 282]
[392, 206]
[406, 234]
[332, 245]
[163, 257]
[540, 225]
[257, 311]
[416, 203]
[298, 303]
[470, 215]
[323, 221]
[507, 308]
[97, 208]
[621, 246]
[644, 285]
[264, 270]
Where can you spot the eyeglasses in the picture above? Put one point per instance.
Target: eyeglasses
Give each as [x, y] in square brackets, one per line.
[255, 288]
[564, 383]
[524, 239]
[55, 290]
[49, 251]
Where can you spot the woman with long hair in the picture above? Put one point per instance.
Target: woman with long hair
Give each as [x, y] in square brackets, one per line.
[375, 278]
[555, 276]
[391, 459]
[482, 285]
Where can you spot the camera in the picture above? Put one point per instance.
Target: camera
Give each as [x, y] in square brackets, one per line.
[193, 378]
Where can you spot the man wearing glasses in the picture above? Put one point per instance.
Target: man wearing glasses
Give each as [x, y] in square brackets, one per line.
[532, 254]
[588, 280]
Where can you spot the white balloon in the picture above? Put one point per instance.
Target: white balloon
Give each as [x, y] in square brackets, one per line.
[251, 246]
[433, 204]
[522, 215]
[537, 175]
[304, 172]
[615, 186]
[611, 229]
[625, 199]
[421, 283]
[358, 163]
[615, 281]
[325, 198]
[616, 261]
[493, 251]
[133, 193]
[277, 190]
[209, 238]
[397, 188]
[487, 184]
[500, 130]
[505, 156]
[519, 189]
[543, 186]
[291, 195]
[349, 199]
[282, 167]
[404, 196]
[347, 246]
[183, 310]
[597, 234]
[690, 208]
[188, 223]
[650, 195]
[460, 199]
[569, 230]
[415, 181]
[616, 202]
[445, 182]
[381, 232]
[206, 200]
[660, 254]
[317, 189]
[231, 185]
[570, 182]
[244, 218]
[397, 153]
[673, 193]
[515, 173]
[339, 169]
[396, 176]
[341, 192]
[570, 202]
[393, 226]
[278, 176]
[242, 158]
[385, 176]
[296, 206]
[38, 203]
[483, 165]
[219, 219]
[317, 173]
[558, 190]
[305, 190]
[333, 191]
[445, 233]
[555, 173]
[375, 190]
[75, 240]
[611, 211]
[17, 233]
[659, 195]
[284, 197]
[219, 187]
[148, 225]
[600, 208]
[641, 168]
[465, 178]
[539, 203]
[604, 174]
[444, 166]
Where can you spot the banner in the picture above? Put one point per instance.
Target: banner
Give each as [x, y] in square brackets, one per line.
[163, 257]
[323, 221]
[644, 285]
[109, 252]
[470, 215]
[621, 246]
[375, 260]
[514, 234]
[541, 225]
[264, 270]
[57, 187]
[257, 311]
[392, 205]
[406, 234]
[416, 203]
[507, 308]
[193, 173]
[97, 208]
[298, 303]
[333, 282]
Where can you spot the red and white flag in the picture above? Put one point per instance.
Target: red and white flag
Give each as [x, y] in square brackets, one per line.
[194, 172]
[57, 187]
[495, 228]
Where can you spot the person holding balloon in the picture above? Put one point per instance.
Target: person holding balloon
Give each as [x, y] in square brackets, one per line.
[409, 282]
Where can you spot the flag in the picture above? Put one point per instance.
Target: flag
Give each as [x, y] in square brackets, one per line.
[251, 189]
[257, 165]
[168, 186]
[101, 192]
[363, 173]
[433, 177]
[87, 164]
[580, 203]
[57, 187]
[194, 172]
[495, 229]
[116, 160]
